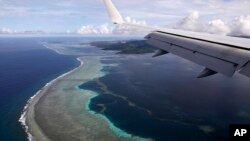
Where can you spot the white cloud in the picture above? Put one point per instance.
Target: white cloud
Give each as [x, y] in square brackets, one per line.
[105, 29]
[189, 22]
[111, 29]
[90, 29]
[125, 29]
[134, 21]
[212, 16]
[5, 30]
[167, 12]
[241, 26]
[217, 27]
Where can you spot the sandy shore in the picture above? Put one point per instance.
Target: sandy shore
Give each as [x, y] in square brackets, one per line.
[59, 111]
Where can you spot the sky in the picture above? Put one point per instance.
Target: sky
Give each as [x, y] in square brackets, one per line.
[90, 16]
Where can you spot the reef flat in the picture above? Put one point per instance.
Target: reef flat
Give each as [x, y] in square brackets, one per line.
[59, 111]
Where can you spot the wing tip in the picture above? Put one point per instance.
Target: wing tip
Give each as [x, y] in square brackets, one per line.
[113, 12]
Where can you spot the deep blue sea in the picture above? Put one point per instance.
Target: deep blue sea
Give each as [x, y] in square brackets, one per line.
[25, 66]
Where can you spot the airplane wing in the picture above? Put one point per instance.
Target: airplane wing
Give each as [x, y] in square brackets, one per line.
[218, 54]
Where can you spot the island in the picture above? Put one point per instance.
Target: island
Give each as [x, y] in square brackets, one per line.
[125, 47]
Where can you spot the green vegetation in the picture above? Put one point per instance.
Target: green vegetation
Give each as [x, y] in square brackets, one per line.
[125, 47]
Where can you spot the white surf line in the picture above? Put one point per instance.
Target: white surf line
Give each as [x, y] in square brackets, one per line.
[23, 118]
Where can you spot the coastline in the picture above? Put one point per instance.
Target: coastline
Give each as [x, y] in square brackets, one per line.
[28, 113]
[88, 120]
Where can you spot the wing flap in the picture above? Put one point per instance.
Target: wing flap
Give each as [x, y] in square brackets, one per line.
[217, 50]
[193, 53]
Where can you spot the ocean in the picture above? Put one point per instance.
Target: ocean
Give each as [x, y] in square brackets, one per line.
[25, 67]
[158, 98]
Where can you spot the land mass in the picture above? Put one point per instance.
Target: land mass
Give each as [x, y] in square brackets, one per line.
[125, 47]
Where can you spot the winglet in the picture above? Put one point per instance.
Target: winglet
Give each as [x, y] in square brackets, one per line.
[113, 12]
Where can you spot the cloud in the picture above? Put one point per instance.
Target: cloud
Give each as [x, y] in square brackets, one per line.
[90, 29]
[134, 21]
[5, 30]
[189, 22]
[240, 26]
[111, 29]
[217, 27]
[33, 32]
[212, 16]
[125, 29]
